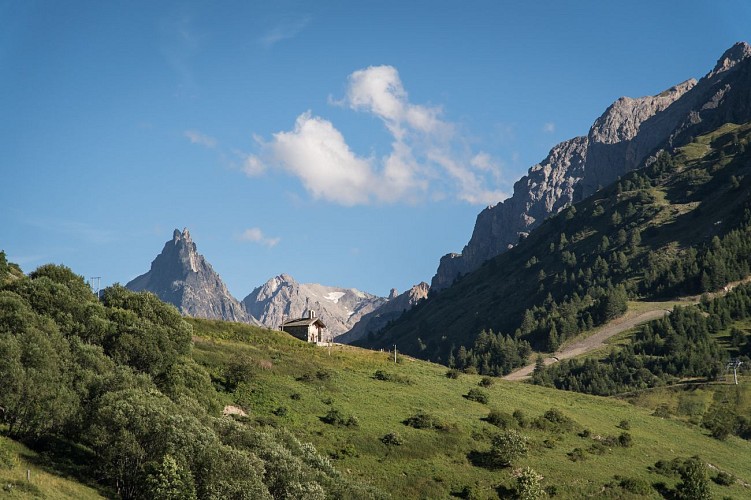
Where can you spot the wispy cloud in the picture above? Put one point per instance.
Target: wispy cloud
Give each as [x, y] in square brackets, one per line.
[255, 235]
[426, 158]
[284, 31]
[201, 139]
[548, 127]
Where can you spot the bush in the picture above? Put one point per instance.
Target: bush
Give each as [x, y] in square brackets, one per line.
[528, 485]
[486, 382]
[507, 447]
[280, 412]
[477, 395]
[392, 439]
[576, 455]
[501, 419]
[391, 377]
[422, 420]
[335, 417]
[636, 486]
[625, 440]
[521, 418]
[694, 484]
[453, 373]
[724, 479]
[625, 425]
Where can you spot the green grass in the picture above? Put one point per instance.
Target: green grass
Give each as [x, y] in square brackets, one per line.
[44, 482]
[309, 381]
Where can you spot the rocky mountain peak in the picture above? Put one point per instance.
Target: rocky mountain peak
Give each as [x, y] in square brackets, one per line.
[731, 57]
[623, 138]
[181, 276]
[282, 298]
[389, 310]
[393, 294]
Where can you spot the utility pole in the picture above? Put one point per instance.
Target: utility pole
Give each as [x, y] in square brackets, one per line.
[734, 364]
[95, 288]
[394, 353]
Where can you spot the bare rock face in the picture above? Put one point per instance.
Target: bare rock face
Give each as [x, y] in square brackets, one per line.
[282, 298]
[377, 319]
[181, 276]
[628, 134]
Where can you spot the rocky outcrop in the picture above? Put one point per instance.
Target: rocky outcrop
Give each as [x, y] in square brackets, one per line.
[626, 136]
[282, 298]
[379, 318]
[181, 276]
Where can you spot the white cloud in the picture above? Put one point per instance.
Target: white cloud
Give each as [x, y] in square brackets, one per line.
[548, 127]
[284, 31]
[201, 139]
[426, 160]
[255, 235]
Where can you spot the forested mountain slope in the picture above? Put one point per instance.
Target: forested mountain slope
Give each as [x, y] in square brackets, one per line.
[677, 226]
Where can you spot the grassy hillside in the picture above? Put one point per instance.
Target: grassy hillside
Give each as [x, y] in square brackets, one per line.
[45, 479]
[678, 226]
[282, 382]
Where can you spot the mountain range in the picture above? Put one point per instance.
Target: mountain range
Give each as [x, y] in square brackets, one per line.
[628, 133]
[183, 277]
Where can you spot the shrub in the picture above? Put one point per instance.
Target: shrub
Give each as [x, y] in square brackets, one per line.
[528, 485]
[625, 440]
[280, 412]
[486, 382]
[507, 447]
[477, 395]
[724, 479]
[625, 425]
[392, 439]
[662, 411]
[391, 377]
[335, 417]
[453, 374]
[422, 420]
[694, 484]
[501, 419]
[521, 418]
[636, 486]
[576, 455]
[295, 396]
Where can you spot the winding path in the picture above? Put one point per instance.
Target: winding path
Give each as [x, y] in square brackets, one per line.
[594, 341]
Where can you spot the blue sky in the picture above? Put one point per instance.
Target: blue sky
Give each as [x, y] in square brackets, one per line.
[345, 143]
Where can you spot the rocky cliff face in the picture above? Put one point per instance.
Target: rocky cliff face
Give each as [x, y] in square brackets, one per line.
[282, 298]
[377, 319]
[181, 276]
[628, 134]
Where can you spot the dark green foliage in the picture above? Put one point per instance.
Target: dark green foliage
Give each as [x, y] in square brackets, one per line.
[336, 417]
[724, 478]
[694, 483]
[392, 439]
[453, 373]
[115, 378]
[485, 382]
[635, 486]
[671, 228]
[391, 377]
[506, 447]
[624, 424]
[492, 354]
[502, 419]
[577, 455]
[423, 420]
[679, 345]
[477, 395]
[7, 458]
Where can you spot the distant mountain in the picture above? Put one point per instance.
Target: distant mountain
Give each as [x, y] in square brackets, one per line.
[181, 276]
[375, 320]
[282, 298]
[627, 134]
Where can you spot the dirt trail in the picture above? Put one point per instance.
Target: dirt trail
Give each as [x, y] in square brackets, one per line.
[618, 325]
[594, 341]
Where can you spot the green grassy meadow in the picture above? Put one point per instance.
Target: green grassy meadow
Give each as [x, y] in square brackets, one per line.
[290, 384]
